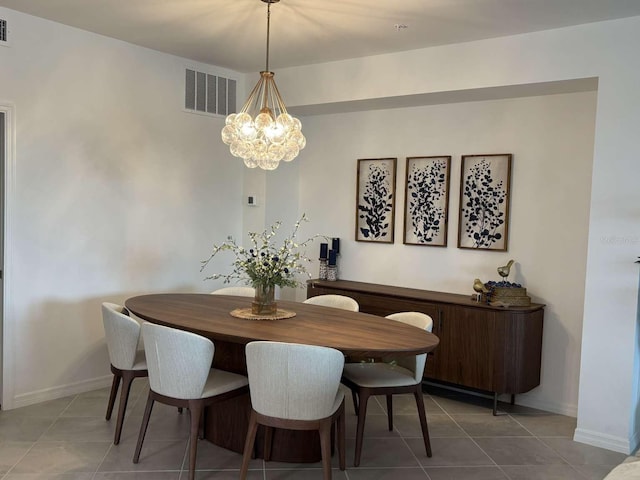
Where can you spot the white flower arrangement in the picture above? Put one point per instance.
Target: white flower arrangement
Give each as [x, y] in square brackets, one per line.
[265, 264]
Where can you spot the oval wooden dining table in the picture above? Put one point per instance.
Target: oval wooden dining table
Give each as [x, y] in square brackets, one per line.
[353, 333]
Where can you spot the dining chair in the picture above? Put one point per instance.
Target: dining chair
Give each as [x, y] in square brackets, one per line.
[127, 359]
[335, 301]
[180, 375]
[295, 387]
[238, 291]
[391, 376]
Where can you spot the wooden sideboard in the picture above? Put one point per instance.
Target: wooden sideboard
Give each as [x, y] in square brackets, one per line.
[492, 349]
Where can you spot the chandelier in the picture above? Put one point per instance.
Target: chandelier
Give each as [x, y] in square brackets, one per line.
[263, 133]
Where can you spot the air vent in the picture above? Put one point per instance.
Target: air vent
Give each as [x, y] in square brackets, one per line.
[3, 32]
[206, 93]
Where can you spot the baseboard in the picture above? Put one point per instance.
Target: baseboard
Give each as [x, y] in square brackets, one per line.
[602, 440]
[53, 393]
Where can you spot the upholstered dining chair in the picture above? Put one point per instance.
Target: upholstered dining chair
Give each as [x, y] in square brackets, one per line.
[335, 301]
[180, 375]
[238, 291]
[401, 375]
[127, 360]
[295, 387]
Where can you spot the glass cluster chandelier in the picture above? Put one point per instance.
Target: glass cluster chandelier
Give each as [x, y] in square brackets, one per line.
[263, 133]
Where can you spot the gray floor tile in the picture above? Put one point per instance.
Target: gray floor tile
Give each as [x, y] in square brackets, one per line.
[518, 451]
[386, 474]
[49, 476]
[406, 404]
[24, 429]
[375, 426]
[488, 425]
[465, 473]
[581, 454]
[137, 476]
[212, 457]
[594, 472]
[80, 429]
[543, 472]
[408, 426]
[449, 452]
[164, 424]
[309, 474]
[439, 426]
[50, 409]
[11, 453]
[89, 406]
[547, 425]
[62, 457]
[155, 456]
[453, 405]
[383, 452]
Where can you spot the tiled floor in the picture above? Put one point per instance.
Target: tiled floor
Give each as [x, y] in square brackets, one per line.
[69, 439]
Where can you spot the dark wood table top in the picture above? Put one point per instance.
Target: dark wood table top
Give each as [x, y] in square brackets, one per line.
[350, 332]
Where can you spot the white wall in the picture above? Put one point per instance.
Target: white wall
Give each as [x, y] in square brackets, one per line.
[117, 192]
[551, 139]
[608, 392]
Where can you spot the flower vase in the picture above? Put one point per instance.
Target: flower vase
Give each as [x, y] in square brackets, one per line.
[264, 301]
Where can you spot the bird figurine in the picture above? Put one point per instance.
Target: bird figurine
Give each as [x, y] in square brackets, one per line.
[504, 271]
[479, 287]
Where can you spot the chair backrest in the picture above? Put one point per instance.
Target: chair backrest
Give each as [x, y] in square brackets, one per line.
[420, 320]
[293, 381]
[335, 301]
[238, 291]
[178, 361]
[122, 333]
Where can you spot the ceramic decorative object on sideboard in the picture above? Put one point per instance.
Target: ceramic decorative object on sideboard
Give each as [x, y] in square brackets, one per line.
[502, 293]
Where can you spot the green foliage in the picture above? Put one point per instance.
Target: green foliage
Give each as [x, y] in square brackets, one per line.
[265, 263]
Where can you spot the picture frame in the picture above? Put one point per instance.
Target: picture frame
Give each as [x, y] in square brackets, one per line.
[375, 200]
[426, 200]
[485, 183]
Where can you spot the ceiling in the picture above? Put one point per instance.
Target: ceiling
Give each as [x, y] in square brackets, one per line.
[232, 33]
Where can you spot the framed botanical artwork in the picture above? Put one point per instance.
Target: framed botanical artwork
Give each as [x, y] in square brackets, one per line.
[375, 200]
[426, 200]
[484, 202]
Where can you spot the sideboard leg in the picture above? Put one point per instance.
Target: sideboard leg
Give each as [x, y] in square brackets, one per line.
[495, 405]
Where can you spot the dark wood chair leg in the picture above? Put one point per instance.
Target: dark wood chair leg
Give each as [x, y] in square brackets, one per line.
[341, 436]
[201, 424]
[115, 384]
[363, 396]
[354, 396]
[143, 427]
[390, 411]
[423, 420]
[325, 447]
[195, 412]
[248, 445]
[127, 379]
[268, 441]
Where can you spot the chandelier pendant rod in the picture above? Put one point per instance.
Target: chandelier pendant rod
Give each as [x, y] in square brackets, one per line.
[268, 30]
[266, 75]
